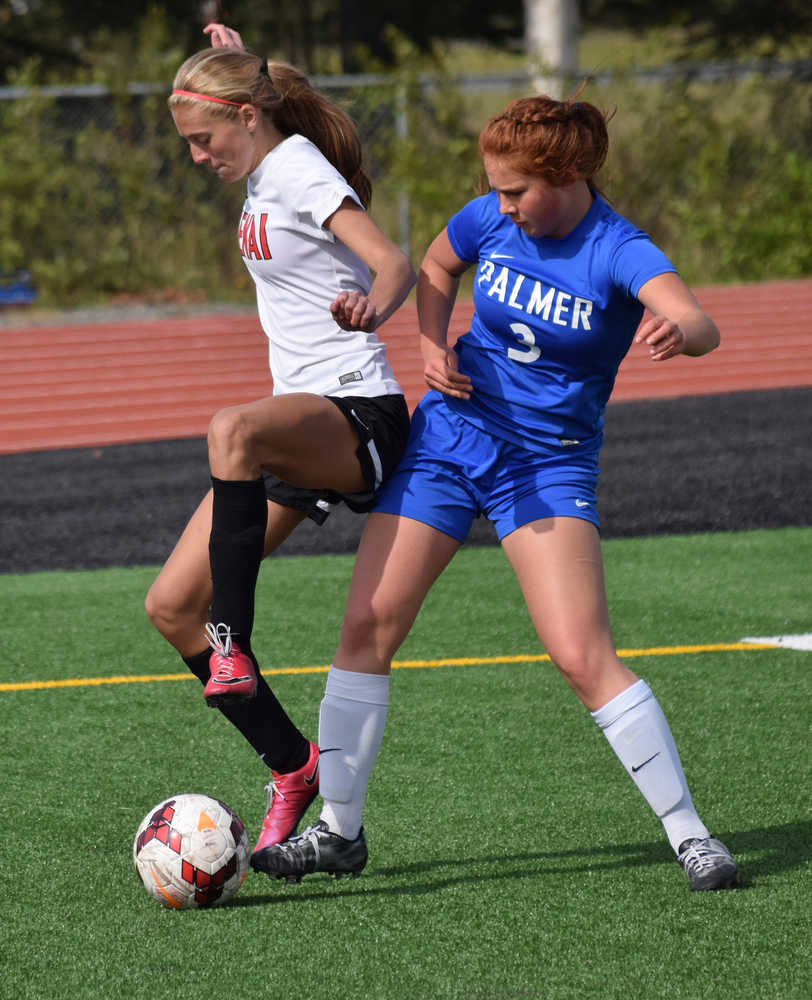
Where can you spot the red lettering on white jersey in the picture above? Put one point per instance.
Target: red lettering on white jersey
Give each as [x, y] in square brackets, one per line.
[263, 237]
[249, 247]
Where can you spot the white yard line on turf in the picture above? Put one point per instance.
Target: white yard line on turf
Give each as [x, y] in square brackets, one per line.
[803, 641]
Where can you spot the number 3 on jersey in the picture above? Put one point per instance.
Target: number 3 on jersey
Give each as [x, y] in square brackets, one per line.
[525, 334]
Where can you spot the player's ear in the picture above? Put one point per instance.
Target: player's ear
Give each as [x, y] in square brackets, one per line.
[250, 116]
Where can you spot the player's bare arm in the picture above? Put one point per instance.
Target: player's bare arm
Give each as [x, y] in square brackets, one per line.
[393, 271]
[677, 324]
[437, 285]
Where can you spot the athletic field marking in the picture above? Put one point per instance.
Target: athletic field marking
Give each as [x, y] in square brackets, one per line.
[456, 661]
[803, 641]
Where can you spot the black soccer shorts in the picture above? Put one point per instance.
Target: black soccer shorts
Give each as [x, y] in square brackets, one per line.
[382, 424]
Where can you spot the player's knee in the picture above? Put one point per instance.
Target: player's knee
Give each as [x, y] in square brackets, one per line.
[359, 627]
[369, 631]
[582, 664]
[229, 432]
[164, 613]
[154, 607]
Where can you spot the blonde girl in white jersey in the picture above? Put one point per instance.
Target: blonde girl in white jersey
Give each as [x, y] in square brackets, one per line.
[337, 421]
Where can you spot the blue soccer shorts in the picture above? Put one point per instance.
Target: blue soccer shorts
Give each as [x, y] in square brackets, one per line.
[453, 471]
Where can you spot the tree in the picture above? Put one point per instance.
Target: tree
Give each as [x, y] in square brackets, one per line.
[723, 25]
[62, 33]
[551, 42]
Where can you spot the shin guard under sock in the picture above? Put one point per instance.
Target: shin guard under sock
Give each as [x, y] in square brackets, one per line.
[638, 732]
[351, 725]
[236, 548]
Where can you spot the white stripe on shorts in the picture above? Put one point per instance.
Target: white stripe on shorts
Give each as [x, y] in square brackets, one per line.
[376, 461]
[373, 453]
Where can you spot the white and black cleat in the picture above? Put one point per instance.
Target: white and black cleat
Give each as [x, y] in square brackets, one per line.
[317, 849]
[708, 864]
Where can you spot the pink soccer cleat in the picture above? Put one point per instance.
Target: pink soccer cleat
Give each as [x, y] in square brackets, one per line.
[233, 677]
[289, 795]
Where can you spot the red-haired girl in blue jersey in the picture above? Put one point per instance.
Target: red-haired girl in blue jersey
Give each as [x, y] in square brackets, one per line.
[512, 429]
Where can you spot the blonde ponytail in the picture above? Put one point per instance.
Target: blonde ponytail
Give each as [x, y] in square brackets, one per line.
[282, 92]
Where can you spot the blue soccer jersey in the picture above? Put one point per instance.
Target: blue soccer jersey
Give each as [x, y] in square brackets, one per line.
[553, 320]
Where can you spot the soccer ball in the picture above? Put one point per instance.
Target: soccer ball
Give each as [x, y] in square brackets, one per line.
[191, 851]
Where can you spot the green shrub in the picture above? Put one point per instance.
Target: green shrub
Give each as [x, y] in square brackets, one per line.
[110, 206]
[720, 175]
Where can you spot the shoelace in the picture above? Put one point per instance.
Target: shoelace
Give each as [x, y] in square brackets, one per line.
[219, 637]
[699, 857]
[311, 834]
[272, 789]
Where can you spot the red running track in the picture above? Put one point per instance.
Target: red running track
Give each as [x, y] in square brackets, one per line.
[98, 384]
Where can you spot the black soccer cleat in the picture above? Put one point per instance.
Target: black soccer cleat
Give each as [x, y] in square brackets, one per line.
[708, 864]
[315, 850]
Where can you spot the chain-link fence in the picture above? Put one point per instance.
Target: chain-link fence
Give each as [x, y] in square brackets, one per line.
[97, 195]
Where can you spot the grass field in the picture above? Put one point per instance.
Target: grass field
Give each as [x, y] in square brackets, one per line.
[511, 858]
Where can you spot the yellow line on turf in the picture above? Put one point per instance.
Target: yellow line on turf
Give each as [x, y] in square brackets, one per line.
[457, 661]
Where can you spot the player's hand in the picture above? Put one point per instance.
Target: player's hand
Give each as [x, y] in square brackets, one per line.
[663, 336]
[354, 311]
[441, 372]
[223, 37]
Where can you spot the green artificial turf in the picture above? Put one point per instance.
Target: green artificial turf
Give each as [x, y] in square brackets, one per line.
[510, 855]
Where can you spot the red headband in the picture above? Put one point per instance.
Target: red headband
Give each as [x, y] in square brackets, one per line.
[205, 97]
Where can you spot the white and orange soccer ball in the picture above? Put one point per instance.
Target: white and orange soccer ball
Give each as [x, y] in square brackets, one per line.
[191, 851]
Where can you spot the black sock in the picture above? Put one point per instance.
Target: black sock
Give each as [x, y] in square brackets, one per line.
[239, 519]
[262, 721]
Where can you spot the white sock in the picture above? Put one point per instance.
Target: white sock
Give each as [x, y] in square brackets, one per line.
[638, 732]
[351, 724]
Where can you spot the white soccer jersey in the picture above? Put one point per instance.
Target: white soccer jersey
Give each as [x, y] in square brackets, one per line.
[298, 268]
